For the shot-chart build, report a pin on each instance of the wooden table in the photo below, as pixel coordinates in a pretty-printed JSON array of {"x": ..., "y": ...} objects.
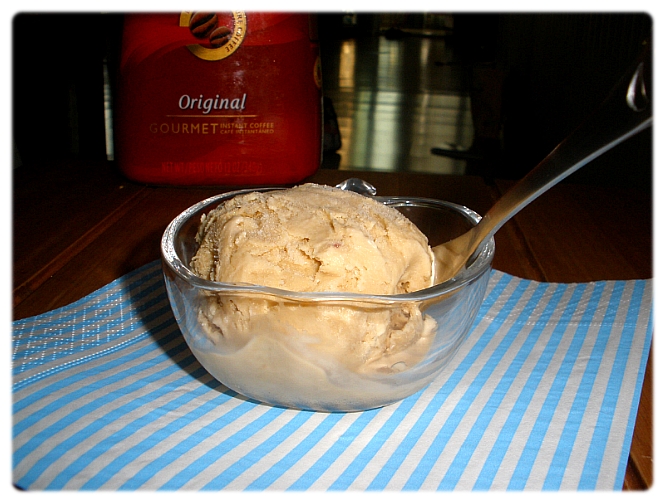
[{"x": 80, "y": 225}]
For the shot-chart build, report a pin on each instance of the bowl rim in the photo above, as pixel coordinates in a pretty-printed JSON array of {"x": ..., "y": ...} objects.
[{"x": 481, "y": 263}]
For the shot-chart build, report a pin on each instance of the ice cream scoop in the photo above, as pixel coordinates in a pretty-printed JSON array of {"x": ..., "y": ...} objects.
[{"x": 313, "y": 238}]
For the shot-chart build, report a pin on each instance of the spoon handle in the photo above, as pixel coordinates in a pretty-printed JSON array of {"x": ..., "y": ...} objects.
[{"x": 625, "y": 112}]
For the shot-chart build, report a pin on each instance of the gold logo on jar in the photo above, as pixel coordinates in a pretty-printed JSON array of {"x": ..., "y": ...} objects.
[{"x": 220, "y": 35}]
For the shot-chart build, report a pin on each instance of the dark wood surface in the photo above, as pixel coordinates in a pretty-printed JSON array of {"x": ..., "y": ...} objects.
[{"x": 78, "y": 226}]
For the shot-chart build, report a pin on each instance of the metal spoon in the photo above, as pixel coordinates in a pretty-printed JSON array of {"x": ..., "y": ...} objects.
[{"x": 625, "y": 112}]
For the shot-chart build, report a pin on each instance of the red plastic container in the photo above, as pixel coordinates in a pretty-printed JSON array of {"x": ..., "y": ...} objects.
[{"x": 219, "y": 98}]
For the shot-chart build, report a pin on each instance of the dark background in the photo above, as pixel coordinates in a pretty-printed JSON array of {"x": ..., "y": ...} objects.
[{"x": 556, "y": 68}]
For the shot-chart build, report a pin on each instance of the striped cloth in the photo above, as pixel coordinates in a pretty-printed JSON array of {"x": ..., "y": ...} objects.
[{"x": 543, "y": 394}]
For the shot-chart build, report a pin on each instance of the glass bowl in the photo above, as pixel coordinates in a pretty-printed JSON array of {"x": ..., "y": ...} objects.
[{"x": 305, "y": 350}]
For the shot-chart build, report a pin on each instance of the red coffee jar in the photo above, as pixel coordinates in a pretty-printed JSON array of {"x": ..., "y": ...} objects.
[{"x": 219, "y": 98}]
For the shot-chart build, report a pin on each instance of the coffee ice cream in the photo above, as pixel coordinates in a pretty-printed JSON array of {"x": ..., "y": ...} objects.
[{"x": 313, "y": 238}]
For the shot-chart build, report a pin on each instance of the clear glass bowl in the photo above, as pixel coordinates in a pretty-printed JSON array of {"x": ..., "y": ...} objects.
[{"x": 302, "y": 350}]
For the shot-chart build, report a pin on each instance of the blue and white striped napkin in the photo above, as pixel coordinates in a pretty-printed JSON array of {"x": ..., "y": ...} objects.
[{"x": 543, "y": 394}]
